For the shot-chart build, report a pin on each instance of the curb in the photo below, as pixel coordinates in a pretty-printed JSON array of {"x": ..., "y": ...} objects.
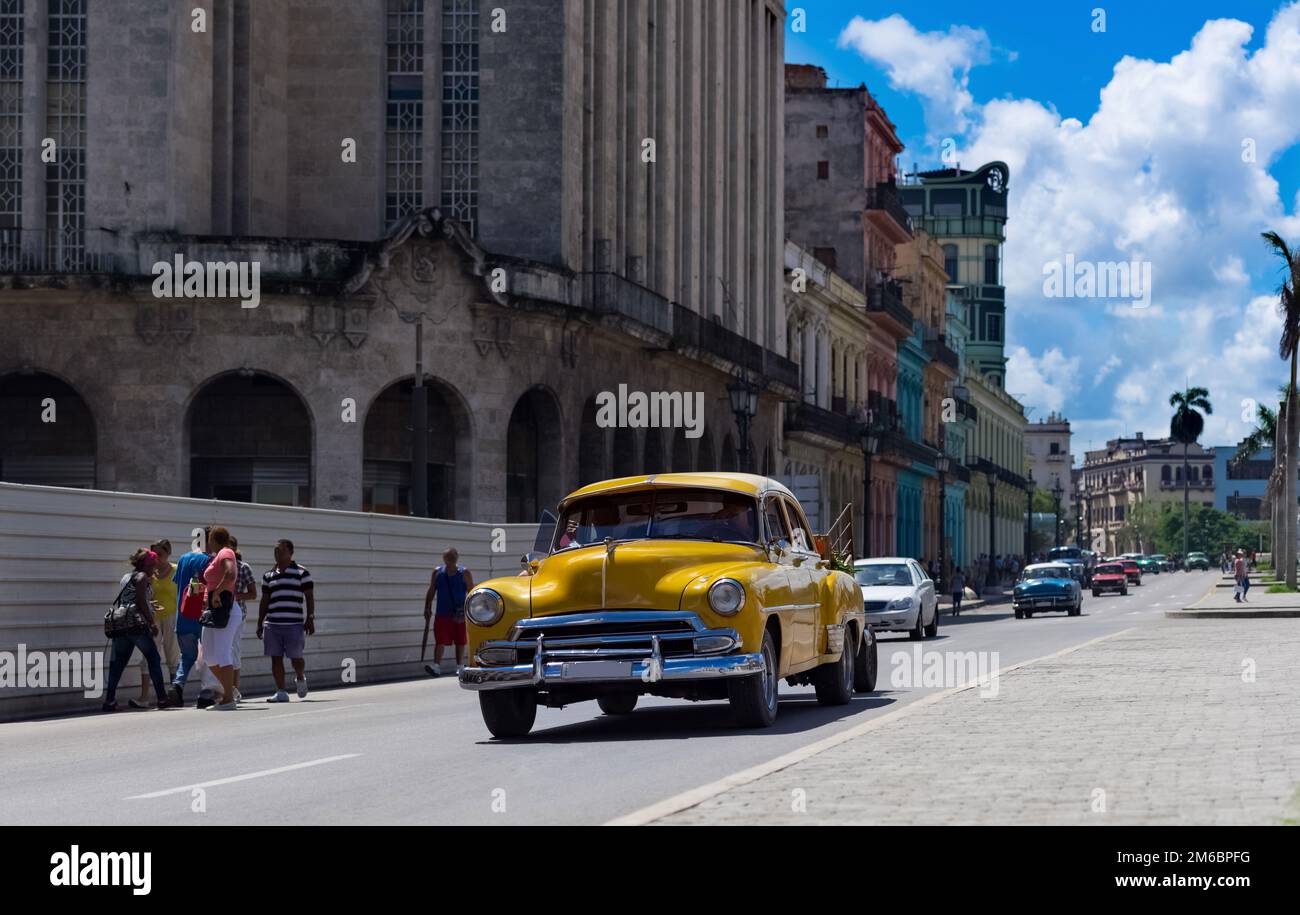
[{"x": 1187, "y": 613}]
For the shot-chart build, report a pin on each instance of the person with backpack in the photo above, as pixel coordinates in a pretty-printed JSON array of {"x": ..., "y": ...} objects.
[
  {"x": 189, "y": 590},
  {"x": 136, "y": 596},
  {"x": 164, "y": 596}
]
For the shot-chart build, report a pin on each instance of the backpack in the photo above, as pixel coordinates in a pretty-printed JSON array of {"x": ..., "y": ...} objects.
[{"x": 123, "y": 618}]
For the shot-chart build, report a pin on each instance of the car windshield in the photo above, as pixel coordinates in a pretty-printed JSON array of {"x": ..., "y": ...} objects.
[
  {"x": 1110, "y": 570},
  {"x": 1064, "y": 552},
  {"x": 885, "y": 573},
  {"x": 668, "y": 514},
  {"x": 1044, "y": 573}
]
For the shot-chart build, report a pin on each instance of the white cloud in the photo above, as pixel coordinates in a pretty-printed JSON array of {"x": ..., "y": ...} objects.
[
  {"x": 1043, "y": 382},
  {"x": 934, "y": 65},
  {"x": 1156, "y": 174}
]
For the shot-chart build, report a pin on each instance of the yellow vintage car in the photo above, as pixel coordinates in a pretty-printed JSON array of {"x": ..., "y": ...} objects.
[{"x": 698, "y": 586}]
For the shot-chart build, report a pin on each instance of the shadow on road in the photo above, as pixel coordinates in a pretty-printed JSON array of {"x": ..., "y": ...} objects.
[{"x": 703, "y": 719}]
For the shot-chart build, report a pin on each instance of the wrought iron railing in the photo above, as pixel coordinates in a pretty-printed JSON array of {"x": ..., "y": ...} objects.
[
  {"x": 806, "y": 417},
  {"x": 886, "y": 297},
  {"x": 885, "y": 197},
  {"x": 38, "y": 252}
]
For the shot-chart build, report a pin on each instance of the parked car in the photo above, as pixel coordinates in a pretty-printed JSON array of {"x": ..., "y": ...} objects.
[
  {"x": 1197, "y": 561},
  {"x": 683, "y": 585},
  {"x": 1109, "y": 576},
  {"x": 898, "y": 596},
  {"x": 1047, "y": 586}
]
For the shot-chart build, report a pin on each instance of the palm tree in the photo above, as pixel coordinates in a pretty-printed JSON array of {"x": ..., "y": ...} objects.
[
  {"x": 1288, "y": 307},
  {"x": 1264, "y": 435},
  {"x": 1186, "y": 426}
]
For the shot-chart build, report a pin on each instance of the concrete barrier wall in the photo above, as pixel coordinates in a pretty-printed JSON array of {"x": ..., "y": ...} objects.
[{"x": 63, "y": 551}]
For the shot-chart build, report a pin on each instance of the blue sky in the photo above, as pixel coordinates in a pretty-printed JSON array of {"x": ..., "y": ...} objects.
[{"x": 1154, "y": 174}]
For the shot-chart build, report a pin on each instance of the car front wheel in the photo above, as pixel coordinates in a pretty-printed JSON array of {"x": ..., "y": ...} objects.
[
  {"x": 933, "y": 629},
  {"x": 508, "y": 712},
  {"x": 617, "y": 704},
  {"x": 918, "y": 631},
  {"x": 754, "y": 699}
]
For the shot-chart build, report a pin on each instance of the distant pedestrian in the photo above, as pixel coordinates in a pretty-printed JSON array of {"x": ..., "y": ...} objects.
[
  {"x": 189, "y": 588},
  {"x": 450, "y": 582},
  {"x": 219, "y": 579},
  {"x": 286, "y": 616},
  {"x": 958, "y": 591},
  {"x": 1239, "y": 572},
  {"x": 137, "y": 592}
]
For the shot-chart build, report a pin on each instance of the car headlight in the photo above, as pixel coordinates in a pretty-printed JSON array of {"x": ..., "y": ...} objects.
[
  {"x": 902, "y": 603},
  {"x": 484, "y": 607},
  {"x": 726, "y": 596}
]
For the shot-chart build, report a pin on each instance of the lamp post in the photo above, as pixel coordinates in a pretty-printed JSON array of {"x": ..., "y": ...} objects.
[
  {"x": 991, "y": 579},
  {"x": 1057, "y": 490},
  {"x": 870, "y": 444},
  {"x": 1029, "y": 517},
  {"x": 1078, "y": 513},
  {"x": 744, "y": 405},
  {"x": 941, "y": 464}
]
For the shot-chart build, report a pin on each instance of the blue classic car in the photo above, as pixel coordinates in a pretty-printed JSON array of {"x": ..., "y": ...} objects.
[{"x": 1047, "y": 586}]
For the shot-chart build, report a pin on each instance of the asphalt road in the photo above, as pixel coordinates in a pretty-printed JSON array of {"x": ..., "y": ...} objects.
[{"x": 418, "y": 753}]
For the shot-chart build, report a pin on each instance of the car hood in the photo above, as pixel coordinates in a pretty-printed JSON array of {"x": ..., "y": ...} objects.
[
  {"x": 885, "y": 592},
  {"x": 640, "y": 575},
  {"x": 1044, "y": 584}
]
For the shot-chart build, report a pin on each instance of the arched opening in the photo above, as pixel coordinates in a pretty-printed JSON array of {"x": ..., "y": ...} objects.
[
  {"x": 388, "y": 452},
  {"x": 534, "y": 457},
  {"x": 591, "y": 447},
  {"x": 681, "y": 452},
  {"x": 624, "y": 452},
  {"x": 49, "y": 432},
  {"x": 250, "y": 441}
]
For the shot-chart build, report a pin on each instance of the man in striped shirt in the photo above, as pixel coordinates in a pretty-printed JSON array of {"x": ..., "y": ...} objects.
[{"x": 285, "y": 617}]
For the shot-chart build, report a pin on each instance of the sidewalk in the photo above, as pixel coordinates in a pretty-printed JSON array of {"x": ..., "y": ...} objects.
[
  {"x": 1155, "y": 725},
  {"x": 1218, "y": 604}
]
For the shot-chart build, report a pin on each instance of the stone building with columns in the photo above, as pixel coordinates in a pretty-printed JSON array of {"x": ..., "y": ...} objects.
[{"x": 573, "y": 197}]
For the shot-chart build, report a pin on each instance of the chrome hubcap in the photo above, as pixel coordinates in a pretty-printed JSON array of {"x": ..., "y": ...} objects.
[
  {"x": 846, "y": 661},
  {"x": 769, "y": 678}
]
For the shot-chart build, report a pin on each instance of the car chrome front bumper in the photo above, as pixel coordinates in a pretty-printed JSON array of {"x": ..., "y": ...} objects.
[{"x": 644, "y": 671}]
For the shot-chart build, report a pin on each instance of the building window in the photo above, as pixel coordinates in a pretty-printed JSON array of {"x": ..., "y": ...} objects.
[
  {"x": 823, "y": 171},
  {"x": 1055, "y": 448},
  {"x": 65, "y": 123},
  {"x": 11, "y": 129},
  {"x": 995, "y": 328},
  {"x": 826, "y": 256},
  {"x": 991, "y": 265},
  {"x": 460, "y": 110},
  {"x": 404, "y": 120},
  {"x": 950, "y": 263},
  {"x": 1165, "y": 474},
  {"x": 823, "y": 131}
]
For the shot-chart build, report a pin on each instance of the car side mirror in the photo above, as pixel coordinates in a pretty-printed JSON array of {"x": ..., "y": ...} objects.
[
  {"x": 530, "y": 561},
  {"x": 777, "y": 547}
]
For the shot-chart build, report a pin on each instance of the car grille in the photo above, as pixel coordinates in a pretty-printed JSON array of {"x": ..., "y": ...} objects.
[
  {"x": 570, "y": 638},
  {"x": 874, "y": 606}
]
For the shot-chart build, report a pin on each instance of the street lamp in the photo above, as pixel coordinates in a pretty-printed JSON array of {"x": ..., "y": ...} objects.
[
  {"x": 1029, "y": 517},
  {"x": 744, "y": 405},
  {"x": 870, "y": 445},
  {"x": 941, "y": 464},
  {"x": 1057, "y": 491},
  {"x": 1078, "y": 513}
]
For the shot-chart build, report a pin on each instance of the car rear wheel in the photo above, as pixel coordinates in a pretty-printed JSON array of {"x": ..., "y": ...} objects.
[
  {"x": 864, "y": 663},
  {"x": 1029, "y": 614},
  {"x": 1096, "y": 593},
  {"x": 834, "y": 682},
  {"x": 754, "y": 699},
  {"x": 508, "y": 712},
  {"x": 933, "y": 629},
  {"x": 617, "y": 704}
]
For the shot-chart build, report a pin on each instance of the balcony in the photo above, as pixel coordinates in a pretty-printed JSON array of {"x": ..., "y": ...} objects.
[
  {"x": 885, "y": 415},
  {"x": 40, "y": 253},
  {"x": 885, "y": 300},
  {"x": 899, "y": 443},
  {"x": 1194, "y": 484},
  {"x": 883, "y": 199},
  {"x": 690, "y": 329},
  {"x": 939, "y": 351},
  {"x": 812, "y": 419},
  {"x": 609, "y": 293},
  {"x": 991, "y": 228}
]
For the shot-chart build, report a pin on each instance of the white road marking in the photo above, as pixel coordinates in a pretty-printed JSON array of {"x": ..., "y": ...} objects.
[
  {"x": 316, "y": 711},
  {"x": 243, "y": 778},
  {"x": 695, "y": 796}
]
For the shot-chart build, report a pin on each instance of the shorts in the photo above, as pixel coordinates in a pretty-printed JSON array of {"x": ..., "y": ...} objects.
[
  {"x": 446, "y": 631},
  {"x": 218, "y": 644},
  {"x": 283, "y": 640}
]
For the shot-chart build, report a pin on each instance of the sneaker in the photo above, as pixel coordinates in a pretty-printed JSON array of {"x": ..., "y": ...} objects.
[
  {"x": 239, "y": 697},
  {"x": 280, "y": 696},
  {"x": 204, "y": 702},
  {"x": 108, "y": 707},
  {"x": 432, "y": 671},
  {"x": 177, "y": 696},
  {"x": 136, "y": 703},
  {"x": 225, "y": 707},
  {"x": 302, "y": 688}
]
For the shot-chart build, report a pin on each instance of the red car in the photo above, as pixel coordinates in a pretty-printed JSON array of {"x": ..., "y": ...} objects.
[
  {"x": 1132, "y": 571},
  {"x": 1109, "y": 576}
]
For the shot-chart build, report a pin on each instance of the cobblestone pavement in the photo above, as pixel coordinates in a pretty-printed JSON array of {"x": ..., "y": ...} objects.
[{"x": 1168, "y": 723}]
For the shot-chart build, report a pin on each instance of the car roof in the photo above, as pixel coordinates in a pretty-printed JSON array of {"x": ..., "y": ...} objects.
[
  {"x": 747, "y": 483},
  {"x": 1049, "y": 565},
  {"x": 882, "y": 560}
]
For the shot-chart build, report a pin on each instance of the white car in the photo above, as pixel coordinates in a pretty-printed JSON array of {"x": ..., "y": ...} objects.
[{"x": 898, "y": 596}]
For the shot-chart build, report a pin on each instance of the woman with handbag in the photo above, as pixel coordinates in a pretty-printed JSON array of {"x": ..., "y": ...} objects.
[
  {"x": 219, "y": 629},
  {"x": 130, "y": 625}
]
